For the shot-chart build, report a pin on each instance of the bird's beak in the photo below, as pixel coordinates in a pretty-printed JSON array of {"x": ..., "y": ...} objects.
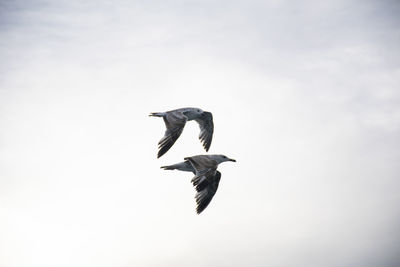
[{"x": 234, "y": 160}]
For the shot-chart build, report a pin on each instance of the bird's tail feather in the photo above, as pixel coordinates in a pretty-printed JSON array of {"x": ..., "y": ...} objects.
[
  {"x": 171, "y": 167},
  {"x": 157, "y": 114},
  {"x": 181, "y": 166}
]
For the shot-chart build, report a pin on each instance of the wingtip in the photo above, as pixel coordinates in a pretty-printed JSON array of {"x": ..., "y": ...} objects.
[
  {"x": 161, "y": 153},
  {"x": 199, "y": 211}
]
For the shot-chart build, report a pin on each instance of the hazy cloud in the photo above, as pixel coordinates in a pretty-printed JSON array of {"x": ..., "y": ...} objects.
[{"x": 305, "y": 97}]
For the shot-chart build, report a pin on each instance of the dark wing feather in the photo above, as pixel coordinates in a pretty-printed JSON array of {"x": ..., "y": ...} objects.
[
  {"x": 207, "y": 189},
  {"x": 206, "y": 129},
  {"x": 206, "y": 180},
  {"x": 175, "y": 122}
]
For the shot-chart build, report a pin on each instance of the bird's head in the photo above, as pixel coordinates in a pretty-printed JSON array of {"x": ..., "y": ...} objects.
[
  {"x": 222, "y": 158},
  {"x": 193, "y": 113},
  {"x": 198, "y": 111}
]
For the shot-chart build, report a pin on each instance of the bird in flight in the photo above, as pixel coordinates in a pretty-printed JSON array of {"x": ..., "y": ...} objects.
[
  {"x": 206, "y": 179},
  {"x": 175, "y": 121}
]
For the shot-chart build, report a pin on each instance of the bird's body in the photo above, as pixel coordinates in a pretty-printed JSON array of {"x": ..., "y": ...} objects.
[
  {"x": 206, "y": 179},
  {"x": 175, "y": 121}
]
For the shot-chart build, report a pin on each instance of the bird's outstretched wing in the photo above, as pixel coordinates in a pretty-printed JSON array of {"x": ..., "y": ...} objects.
[
  {"x": 206, "y": 188},
  {"x": 206, "y": 129},
  {"x": 175, "y": 122},
  {"x": 206, "y": 180}
]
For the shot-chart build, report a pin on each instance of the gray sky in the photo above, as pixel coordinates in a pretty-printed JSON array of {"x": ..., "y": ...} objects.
[{"x": 304, "y": 95}]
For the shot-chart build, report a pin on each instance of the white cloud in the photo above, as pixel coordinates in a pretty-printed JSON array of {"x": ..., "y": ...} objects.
[{"x": 304, "y": 97}]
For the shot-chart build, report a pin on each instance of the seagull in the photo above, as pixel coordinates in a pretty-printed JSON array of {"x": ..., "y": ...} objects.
[
  {"x": 175, "y": 121},
  {"x": 206, "y": 177}
]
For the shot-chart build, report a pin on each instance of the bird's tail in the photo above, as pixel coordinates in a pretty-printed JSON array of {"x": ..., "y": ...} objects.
[
  {"x": 170, "y": 167},
  {"x": 181, "y": 166},
  {"x": 157, "y": 114}
]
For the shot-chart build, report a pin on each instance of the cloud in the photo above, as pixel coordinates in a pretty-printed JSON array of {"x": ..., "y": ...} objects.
[{"x": 304, "y": 97}]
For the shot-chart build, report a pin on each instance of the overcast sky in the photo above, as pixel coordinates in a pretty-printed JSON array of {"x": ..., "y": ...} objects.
[{"x": 305, "y": 96}]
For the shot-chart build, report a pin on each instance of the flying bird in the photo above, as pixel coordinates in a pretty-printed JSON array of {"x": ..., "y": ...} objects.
[
  {"x": 206, "y": 179},
  {"x": 175, "y": 121}
]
